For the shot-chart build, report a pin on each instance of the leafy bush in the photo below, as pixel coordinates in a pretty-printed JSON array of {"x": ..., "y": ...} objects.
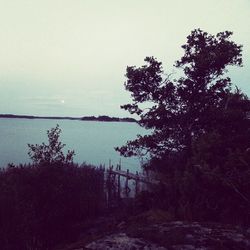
[
  {"x": 199, "y": 193},
  {"x": 41, "y": 204},
  {"x": 51, "y": 153}
]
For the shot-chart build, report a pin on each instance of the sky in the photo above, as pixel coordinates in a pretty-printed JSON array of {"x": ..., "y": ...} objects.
[{"x": 69, "y": 57}]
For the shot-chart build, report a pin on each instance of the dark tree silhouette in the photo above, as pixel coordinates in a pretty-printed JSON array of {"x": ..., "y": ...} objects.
[{"x": 199, "y": 102}]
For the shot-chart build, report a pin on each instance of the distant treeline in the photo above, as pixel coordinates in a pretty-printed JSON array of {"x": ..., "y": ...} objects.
[{"x": 102, "y": 118}]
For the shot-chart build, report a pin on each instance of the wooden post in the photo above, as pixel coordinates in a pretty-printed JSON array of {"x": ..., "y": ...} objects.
[
  {"x": 127, "y": 189},
  {"x": 114, "y": 187},
  {"x": 119, "y": 187},
  {"x": 108, "y": 183},
  {"x": 136, "y": 183}
]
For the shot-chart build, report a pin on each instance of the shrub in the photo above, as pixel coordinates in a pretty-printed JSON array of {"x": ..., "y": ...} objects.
[
  {"x": 203, "y": 194},
  {"x": 41, "y": 204},
  {"x": 51, "y": 153}
]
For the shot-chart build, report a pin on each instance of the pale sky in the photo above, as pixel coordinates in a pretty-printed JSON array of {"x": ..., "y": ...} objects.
[{"x": 69, "y": 57}]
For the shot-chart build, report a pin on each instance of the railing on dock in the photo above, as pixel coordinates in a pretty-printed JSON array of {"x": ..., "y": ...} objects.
[{"x": 124, "y": 184}]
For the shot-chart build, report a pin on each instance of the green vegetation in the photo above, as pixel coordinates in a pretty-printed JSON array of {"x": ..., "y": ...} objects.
[
  {"x": 105, "y": 118},
  {"x": 42, "y": 204},
  {"x": 51, "y": 153},
  {"x": 200, "y": 127}
]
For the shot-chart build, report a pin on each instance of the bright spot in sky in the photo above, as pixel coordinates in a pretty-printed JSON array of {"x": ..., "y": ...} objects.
[{"x": 62, "y": 101}]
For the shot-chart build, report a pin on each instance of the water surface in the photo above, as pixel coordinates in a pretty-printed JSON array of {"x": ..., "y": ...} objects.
[{"x": 92, "y": 141}]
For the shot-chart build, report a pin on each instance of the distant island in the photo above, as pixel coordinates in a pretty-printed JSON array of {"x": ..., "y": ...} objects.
[{"x": 101, "y": 118}]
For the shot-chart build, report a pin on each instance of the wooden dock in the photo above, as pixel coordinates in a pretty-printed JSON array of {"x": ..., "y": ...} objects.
[
  {"x": 133, "y": 176},
  {"x": 124, "y": 184}
]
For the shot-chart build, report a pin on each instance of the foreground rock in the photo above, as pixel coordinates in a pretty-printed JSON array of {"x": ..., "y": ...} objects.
[
  {"x": 122, "y": 241},
  {"x": 152, "y": 232},
  {"x": 176, "y": 235}
]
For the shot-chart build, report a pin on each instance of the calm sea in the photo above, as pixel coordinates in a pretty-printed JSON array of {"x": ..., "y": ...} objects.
[{"x": 93, "y": 142}]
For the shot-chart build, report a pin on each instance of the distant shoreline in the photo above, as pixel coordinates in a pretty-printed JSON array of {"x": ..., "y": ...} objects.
[{"x": 102, "y": 118}]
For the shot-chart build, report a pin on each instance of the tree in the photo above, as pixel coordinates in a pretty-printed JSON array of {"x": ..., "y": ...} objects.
[
  {"x": 180, "y": 111},
  {"x": 51, "y": 153}
]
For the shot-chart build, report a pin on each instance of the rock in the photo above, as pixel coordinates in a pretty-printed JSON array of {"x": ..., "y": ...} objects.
[
  {"x": 155, "y": 231},
  {"x": 121, "y": 225},
  {"x": 123, "y": 242},
  {"x": 183, "y": 235},
  {"x": 175, "y": 235}
]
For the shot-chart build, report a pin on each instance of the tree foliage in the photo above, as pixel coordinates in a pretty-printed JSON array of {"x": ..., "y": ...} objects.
[
  {"x": 51, "y": 153},
  {"x": 199, "y": 131},
  {"x": 201, "y": 101}
]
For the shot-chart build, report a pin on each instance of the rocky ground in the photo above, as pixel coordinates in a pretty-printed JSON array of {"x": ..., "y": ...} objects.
[{"x": 154, "y": 230}]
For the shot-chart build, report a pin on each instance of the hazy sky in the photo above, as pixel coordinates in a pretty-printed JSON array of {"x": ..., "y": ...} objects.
[{"x": 68, "y": 57}]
